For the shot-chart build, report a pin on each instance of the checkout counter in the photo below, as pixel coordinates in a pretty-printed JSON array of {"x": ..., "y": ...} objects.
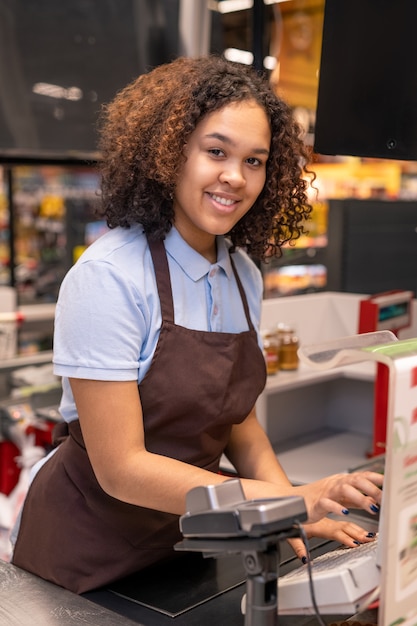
[{"x": 27, "y": 600}]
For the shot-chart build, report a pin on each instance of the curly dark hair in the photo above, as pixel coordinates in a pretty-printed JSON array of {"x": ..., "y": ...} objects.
[{"x": 142, "y": 136}]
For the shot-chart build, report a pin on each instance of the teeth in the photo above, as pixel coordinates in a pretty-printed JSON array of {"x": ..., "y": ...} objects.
[{"x": 223, "y": 201}]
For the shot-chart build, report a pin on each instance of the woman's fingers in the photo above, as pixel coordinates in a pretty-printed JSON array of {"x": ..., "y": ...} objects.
[
  {"x": 347, "y": 533},
  {"x": 341, "y": 506},
  {"x": 366, "y": 483},
  {"x": 359, "y": 491},
  {"x": 299, "y": 549},
  {"x": 337, "y": 493}
]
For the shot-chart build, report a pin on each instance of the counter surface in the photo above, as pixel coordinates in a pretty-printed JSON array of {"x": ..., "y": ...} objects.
[{"x": 27, "y": 600}]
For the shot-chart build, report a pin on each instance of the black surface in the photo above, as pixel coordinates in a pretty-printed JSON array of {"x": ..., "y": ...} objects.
[
  {"x": 194, "y": 591},
  {"x": 367, "y": 95},
  {"x": 372, "y": 245},
  {"x": 182, "y": 584},
  {"x": 222, "y": 609}
]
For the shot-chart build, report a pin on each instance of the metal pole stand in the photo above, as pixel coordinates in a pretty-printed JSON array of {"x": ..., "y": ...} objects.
[
  {"x": 261, "y": 557},
  {"x": 261, "y": 587},
  {"x": 220, "y": 520}
]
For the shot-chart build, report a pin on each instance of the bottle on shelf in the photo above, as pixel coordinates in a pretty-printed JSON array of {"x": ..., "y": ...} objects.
[
  {"x": 271, "y": 351},
  {"x": 288, "y": 347}
]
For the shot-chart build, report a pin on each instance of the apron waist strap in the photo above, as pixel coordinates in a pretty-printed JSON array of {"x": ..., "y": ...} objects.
[{"x": 59, "y": 433}]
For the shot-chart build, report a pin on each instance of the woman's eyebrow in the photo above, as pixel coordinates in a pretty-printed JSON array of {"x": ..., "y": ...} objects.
[{"x": 228, "y": 140}]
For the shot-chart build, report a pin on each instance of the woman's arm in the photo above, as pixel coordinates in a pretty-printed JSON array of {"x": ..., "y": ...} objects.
[
  {"x": 111, "y": 422},
  {"x": 251, "y": 453}
]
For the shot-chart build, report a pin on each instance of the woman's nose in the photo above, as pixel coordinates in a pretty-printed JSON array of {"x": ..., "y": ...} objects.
[{"x": 233, "y": 175}]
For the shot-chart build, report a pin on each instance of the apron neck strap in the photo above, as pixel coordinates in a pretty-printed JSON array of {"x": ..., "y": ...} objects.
[
  {"x": 162, "y": 275},
  {"x": 242, "y": 295},
  {"x": 160, "y": 261}
]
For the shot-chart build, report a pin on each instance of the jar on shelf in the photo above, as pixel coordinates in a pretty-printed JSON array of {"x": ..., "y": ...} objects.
[
  {"x": 288, "y": 347},
  {"x": 271, "y": 351}
]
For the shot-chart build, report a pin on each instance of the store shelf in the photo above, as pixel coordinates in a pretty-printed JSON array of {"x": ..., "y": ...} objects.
[
  {"x": 40, "y": 358},
  {"x": 327, "y": 452},
  {"x": 319, "y": 422},
  {"x": 37, "y": 312},
  {"x": 318, "y": 455},
  {"x": 306, "y": 375}
]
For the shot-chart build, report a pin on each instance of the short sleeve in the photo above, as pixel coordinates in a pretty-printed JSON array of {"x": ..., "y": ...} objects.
[{"x": 99, "y": 324}]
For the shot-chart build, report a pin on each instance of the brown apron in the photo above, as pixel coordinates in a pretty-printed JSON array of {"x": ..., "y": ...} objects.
[{"x": 199, "y": 384}]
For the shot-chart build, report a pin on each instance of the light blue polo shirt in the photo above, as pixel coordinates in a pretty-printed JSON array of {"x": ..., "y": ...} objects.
[{"x": 108, "y": 312}]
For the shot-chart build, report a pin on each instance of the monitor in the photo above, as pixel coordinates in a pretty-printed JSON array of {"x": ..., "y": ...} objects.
[{"x": 367, "y": 95}]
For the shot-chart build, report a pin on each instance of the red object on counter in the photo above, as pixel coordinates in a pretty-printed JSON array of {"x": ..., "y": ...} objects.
[
  {"x": 43, "y": 434},
  {"x": 389, "y": 310},
  {"x": 9, "y": 471}
]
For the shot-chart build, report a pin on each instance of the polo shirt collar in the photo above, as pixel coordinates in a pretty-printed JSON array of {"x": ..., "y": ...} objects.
[{"x": 191, "y": 262}]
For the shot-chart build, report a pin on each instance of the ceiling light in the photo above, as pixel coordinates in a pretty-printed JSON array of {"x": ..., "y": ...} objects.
[
  {"x": 230, "y": 6},
  {"x": 270, "y": 63},
  {"x": 239, "y": 56},
  {"x": 58, "y": 92}
]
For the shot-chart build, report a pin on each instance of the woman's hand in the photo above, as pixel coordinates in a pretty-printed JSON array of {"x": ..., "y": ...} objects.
[
  {"x": 335, "y": 494},
  {"x": 347, "y": 533}
]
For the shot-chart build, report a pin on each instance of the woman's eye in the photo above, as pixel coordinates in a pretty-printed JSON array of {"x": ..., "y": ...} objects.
[
  {"x": 216, "y": 152},
  {"x": 254, "y": 161}
]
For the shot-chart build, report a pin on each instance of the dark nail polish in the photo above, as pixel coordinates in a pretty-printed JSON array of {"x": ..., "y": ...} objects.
[
  {"x": 358, "y": 543},
  {"x": 374, "y": 508},
  {"x": 370, "y": 535},
  {"x": 304, "y": 560},
  {"x": 345, "y": 511}
]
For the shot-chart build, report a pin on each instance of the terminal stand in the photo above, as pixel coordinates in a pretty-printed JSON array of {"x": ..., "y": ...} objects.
[
  {"x": 220, "y": 521},
  {"x": 261, "y": 587},
  {"x": 260, "y": 556}
]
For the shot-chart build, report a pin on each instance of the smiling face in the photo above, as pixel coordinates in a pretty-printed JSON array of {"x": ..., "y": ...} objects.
[{"x": 223, "y": 174}]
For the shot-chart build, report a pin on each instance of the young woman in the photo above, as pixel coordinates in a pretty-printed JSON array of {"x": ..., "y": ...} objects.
[{"x": 157, "y": 328}]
